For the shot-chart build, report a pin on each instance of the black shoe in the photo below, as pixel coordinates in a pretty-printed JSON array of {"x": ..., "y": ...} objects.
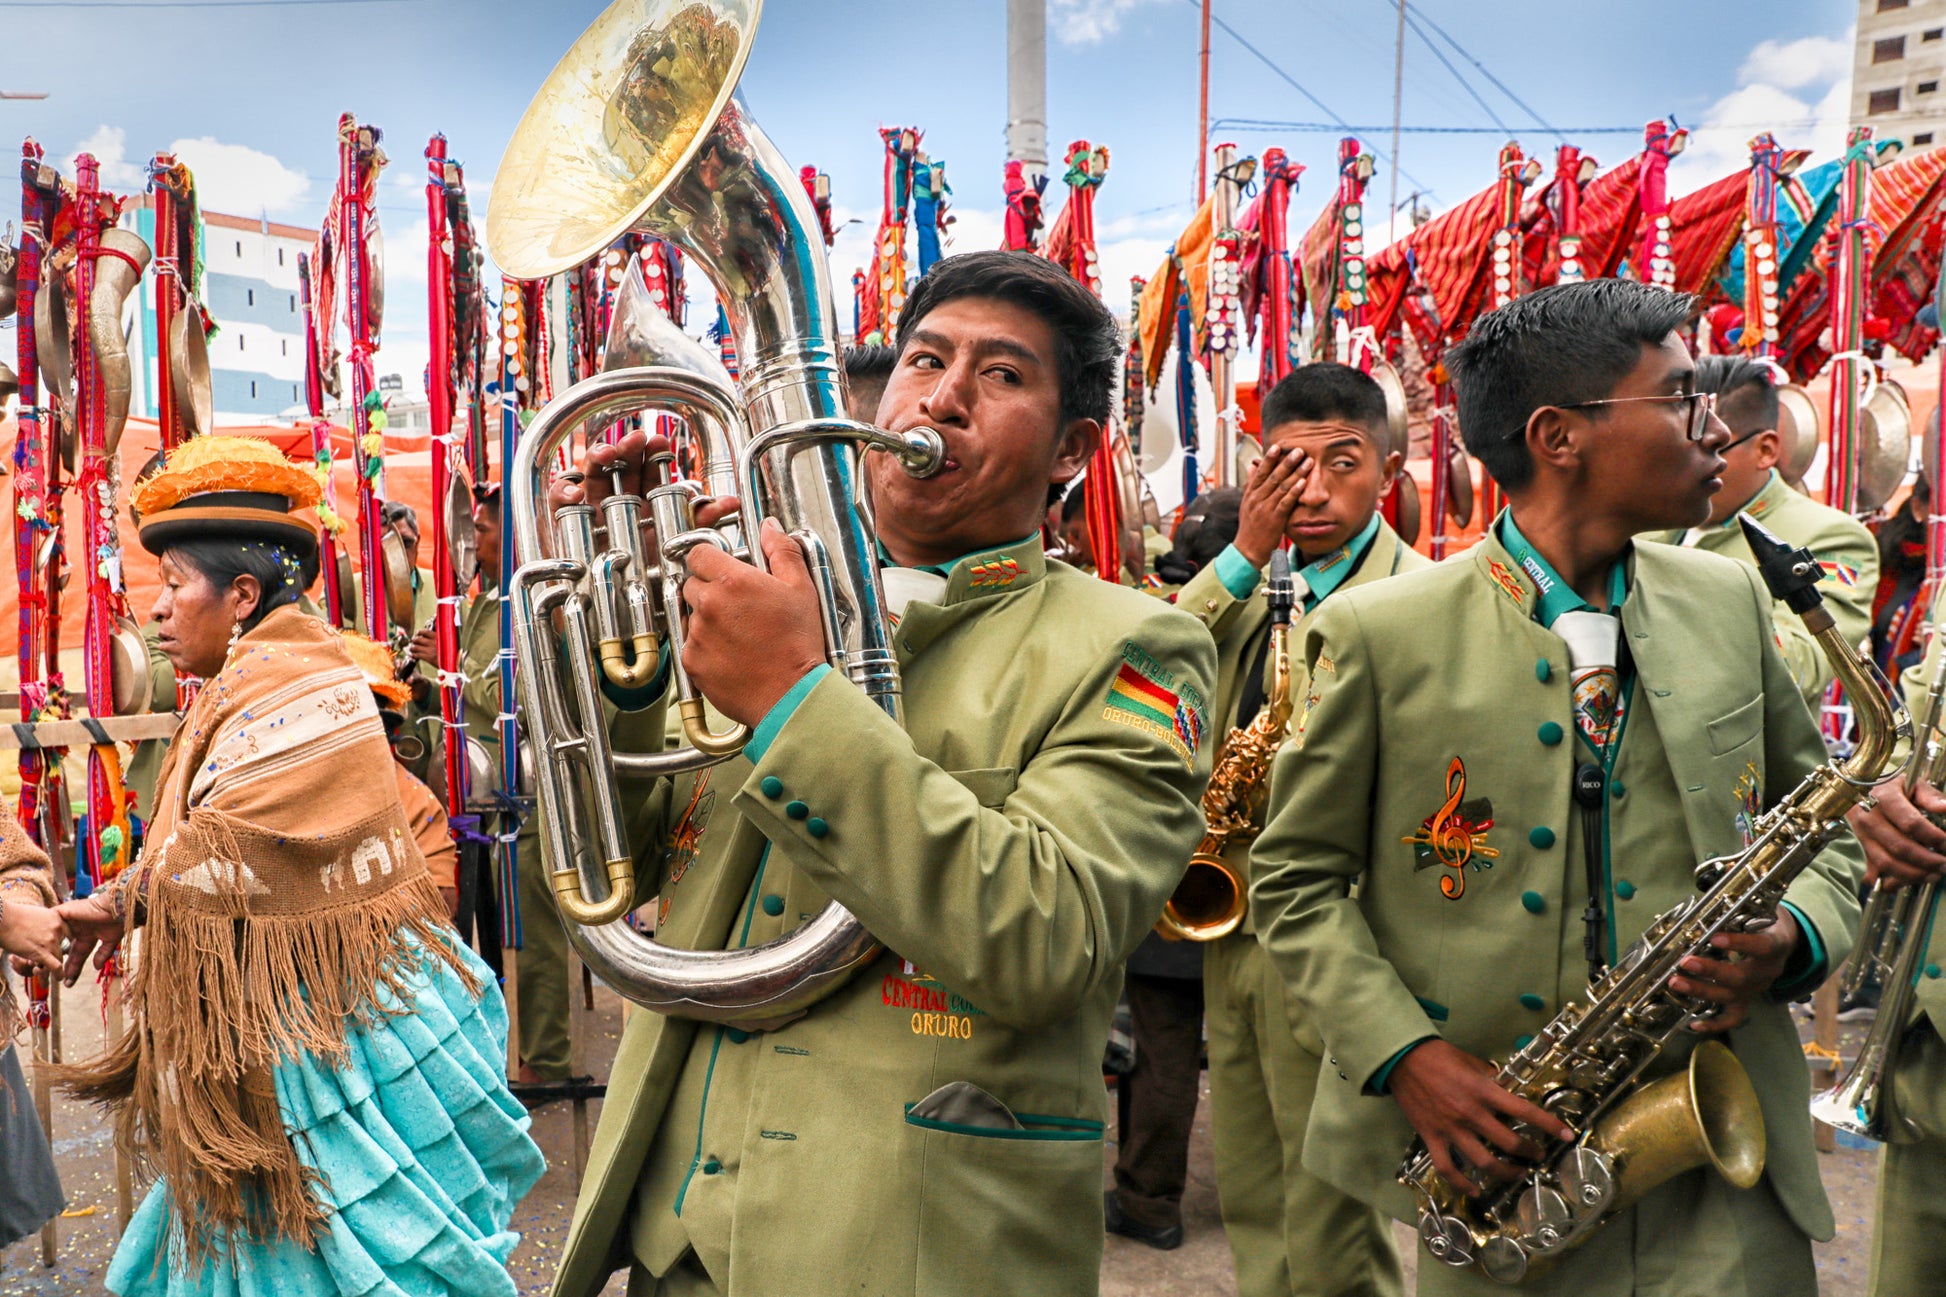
[{"x": 1166, "y": 1238}]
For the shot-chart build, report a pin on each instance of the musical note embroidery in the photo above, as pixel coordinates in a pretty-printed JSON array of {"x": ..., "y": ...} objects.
[
  {"x": 1455, "y": 835},
  {"x": 1750, "y": 802}
]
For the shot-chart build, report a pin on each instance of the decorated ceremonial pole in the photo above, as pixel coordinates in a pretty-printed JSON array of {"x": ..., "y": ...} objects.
[
  {"x": 447, "y": 454},
  {"x": 1279, "y": 339},
  {"x": 929, "y": 217},
  {"x": 1071, "y": 245},
  {"x": 316, "y": 349},
  {"x": 1852, "y": 371},
  {"x": 171, "y": 288},
  {"x": 36, "y": 515},
  {"x": 1655, "y": 261},
  {"x": 359, "y": 160},
  {"x": 1223, "y": 306},
  {"x": 885, "y": 285},
  {"x": 514, "y": 382},
  {"x": 1349, "y": 337},
  {"x": 1762, "y": 248},
  {"x": 1571, "y": 171},
  {"x": 1516, "y": 173}
]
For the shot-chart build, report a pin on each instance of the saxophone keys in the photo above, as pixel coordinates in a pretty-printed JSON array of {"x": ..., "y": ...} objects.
[
  {"x": 1446, "y": 1238},
  {"x": 1503, "y": 1260},
  {"x": 1544, "y": 1217}
]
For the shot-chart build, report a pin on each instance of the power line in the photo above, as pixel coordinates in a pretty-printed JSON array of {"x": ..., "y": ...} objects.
[
  {"x": 1497, "y": 82},
  {"x": 1413, "y": 21},
  {"x": 186, "y": 4},
  {"x": 1293, "y": 83}
]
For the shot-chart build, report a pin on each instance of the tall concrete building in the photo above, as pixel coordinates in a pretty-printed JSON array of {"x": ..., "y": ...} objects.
[
  {"x": 1897, "y": 71},
  {"x": 250, "y": 287}
]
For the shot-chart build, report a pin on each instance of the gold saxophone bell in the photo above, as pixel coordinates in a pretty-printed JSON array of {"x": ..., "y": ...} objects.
[{"x": 1208, "y": 904}]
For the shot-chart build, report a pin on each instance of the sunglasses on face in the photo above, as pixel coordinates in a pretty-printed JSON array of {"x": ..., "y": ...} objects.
[{"x": 1701, "y": 406}]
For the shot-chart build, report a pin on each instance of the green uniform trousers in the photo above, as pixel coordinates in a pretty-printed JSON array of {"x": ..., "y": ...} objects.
[
  {"x": 1693, "y": 1237},
  {"x": 1906, "y": 1246},
  {"x": 1290, "y": 1232},
  {"x": 541, "y": 968}
]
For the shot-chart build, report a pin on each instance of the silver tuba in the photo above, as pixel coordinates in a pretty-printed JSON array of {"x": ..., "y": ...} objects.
[{"x": 636, "y": 129}]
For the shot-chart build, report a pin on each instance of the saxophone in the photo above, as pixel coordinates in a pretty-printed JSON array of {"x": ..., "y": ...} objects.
[
  {"x": 1209, "y": 902},
  {"x": 1586, "y": 1066}
]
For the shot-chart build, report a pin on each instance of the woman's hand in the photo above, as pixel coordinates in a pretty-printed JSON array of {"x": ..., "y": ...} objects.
[
  {"x": 30, "y": 932},
  {"x": 93, "y": 922}
]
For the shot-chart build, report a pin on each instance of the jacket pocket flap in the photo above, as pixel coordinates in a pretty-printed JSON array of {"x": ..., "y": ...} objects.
[
  {"x": 992, "y": 787},
  {"x": 1728, "y": 733}
]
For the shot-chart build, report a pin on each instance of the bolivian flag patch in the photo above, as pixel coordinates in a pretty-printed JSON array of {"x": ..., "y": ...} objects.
[{"x": 1144, "y": 695}]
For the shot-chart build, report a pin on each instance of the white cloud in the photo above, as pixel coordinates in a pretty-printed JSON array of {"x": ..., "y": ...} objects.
[
  {"x": 1087, "y": 22},
  {"x": 1800, "y": 91},
  {"x": 243, "y": 181},
  {"x": 109, "y": 145},
  {"x": 1793, "y": 65}
]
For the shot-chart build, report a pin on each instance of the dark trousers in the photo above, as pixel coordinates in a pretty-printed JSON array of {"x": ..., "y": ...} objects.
[{"x": 1153, "y": 1160}]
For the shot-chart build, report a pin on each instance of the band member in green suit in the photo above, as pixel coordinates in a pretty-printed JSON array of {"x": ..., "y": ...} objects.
[
  {"x": 1746, "y": 401},
  {"x": 1904, "y": 848},
  {"x": 934, "y": 1126},
  {"x": 1452, "y": 715},
  {"x": 1328, "y": 462}
]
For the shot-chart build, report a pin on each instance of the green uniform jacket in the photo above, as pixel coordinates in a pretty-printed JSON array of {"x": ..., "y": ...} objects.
[
  {"x": 1236, "y": 623},
  {"x": 1012, "y": 845},
  {"x": 1847, "y": 551},
  {"x": 1447, "y": 663},
  {"x": 1930, "y": 999}
]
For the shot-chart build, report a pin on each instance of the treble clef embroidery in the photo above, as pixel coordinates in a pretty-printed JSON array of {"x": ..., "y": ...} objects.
[{"x": 1450, "y": 838}]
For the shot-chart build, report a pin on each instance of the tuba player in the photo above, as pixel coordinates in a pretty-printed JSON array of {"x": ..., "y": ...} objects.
[{"x": 935, "y": 1126}]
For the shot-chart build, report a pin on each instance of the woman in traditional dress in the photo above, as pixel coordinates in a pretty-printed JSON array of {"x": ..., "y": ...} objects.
[
  {"x": 315, "y": 1064},
  {"x": 31, "y": 932}
]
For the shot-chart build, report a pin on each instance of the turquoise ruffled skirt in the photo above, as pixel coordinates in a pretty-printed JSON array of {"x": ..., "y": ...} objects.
[{"x": 423, "y": 1152}]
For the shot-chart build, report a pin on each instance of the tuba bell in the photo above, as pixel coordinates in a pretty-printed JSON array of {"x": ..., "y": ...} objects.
[{"x": 636, "y": 129}]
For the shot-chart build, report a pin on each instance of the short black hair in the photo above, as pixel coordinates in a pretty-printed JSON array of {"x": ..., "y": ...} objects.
[
  {"x": 398, "y": 510},
  {"x": 1087, "y": 341},
  {"x": 487, "y": 496},
  {"x": 1743, "y": 383},
  {"x": 1209, "y": 523},
  {"x": 1559, "y": 346},
  {"x": 1071, "y": 502},
  {"x": 870, "y": 362},
  {"x": 1318, "y": 392},
  {"x": 280, "y": 573}
]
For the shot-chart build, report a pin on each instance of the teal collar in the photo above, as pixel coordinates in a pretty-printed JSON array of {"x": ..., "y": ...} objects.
[
  {"x": 1553, "y": 595},
  {"x": 1328, "y": 573}
]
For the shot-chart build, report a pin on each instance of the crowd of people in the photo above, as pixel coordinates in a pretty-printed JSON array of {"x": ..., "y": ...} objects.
[{"x": 1499, "y": 769}]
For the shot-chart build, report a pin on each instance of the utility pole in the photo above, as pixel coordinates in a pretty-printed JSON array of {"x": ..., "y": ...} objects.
[
  {"x": 1027, "y": 88},
  {"x": 1202, "y": 116},
  {"x": 1398, "y": 95}
]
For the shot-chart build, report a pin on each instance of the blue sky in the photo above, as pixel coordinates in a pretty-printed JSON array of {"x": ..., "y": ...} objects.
[{"x": 250, "y": 95}]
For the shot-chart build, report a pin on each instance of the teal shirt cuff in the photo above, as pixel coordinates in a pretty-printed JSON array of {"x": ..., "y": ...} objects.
[
  {"x": 1806, "y": 969},
  {"x": 766, "y": 732},
  {"x": 634, "y": 700},
  {"x": 1383, "y": 1077},
  {"x": 1236, "y": 573}
]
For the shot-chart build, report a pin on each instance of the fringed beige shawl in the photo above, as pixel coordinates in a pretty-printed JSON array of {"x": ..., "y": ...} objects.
[
  {"x": 25, "y": 879},
  {"x": 280, "y": 891}
]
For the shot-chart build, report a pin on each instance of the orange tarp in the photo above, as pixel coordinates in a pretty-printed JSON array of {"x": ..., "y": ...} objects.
[{"x": 408, "y": 477}]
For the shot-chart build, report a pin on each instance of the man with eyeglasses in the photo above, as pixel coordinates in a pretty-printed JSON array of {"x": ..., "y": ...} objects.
[
  {"x": 1746, "y": 401},
  {"x": 1520, "y": 755}
]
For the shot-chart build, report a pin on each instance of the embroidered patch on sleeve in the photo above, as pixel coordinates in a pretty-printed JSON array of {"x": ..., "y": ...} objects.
[
  {"x": 1503, "y": 576},
  {"x": 1455, "y": 835},
  {"x": 1842, "y": 573},
  {"x": 1144, "y": 695}
]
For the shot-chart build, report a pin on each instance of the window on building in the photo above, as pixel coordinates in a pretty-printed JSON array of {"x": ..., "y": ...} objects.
[
  {"x": 253, "y": 391},
  {"x": 1884, "y": 5},
  {"x": 1923, "y": 137},
  {"x": 1882, "y": 101},
  {"x": 239, "y": 342},
  {"x": 1932, "y": 33},
  {"x": 1889, "y": 50},
  {"x": 280, "y": 256},
  {"x": 293, "y": 391},
  {"x": 293, "y": 303},
  {"x": 283, "y": 346},
  {"x": 239, "y": 248},
  {"x": 1925, "y": 87},
  {"x": 249, "y": 297}
]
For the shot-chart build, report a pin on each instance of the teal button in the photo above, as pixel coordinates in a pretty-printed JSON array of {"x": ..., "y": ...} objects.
[
  {"x": 773, "y": 787},
  {"x": 1534, "y": 901},
  {"x": 1522, "y": 1042},
  {"x": 816, "y": 827},
  {"x": 1625, "y": 890},
  {"x": 1532, "y": 1001},
  {"x": 796, "y": 810},
  {"x": 1549, "y": 733},
  {"x": 1616, "y": 790},
  {"x": 712, "y": 1166},
  {"x": 1541, "y": 836},
  {"x": 773, "y": 905},
  {"x": 1932, "y": 970},
  {"x": 737, "y": 1035},
  {"x": 1543, "y": 670}
]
